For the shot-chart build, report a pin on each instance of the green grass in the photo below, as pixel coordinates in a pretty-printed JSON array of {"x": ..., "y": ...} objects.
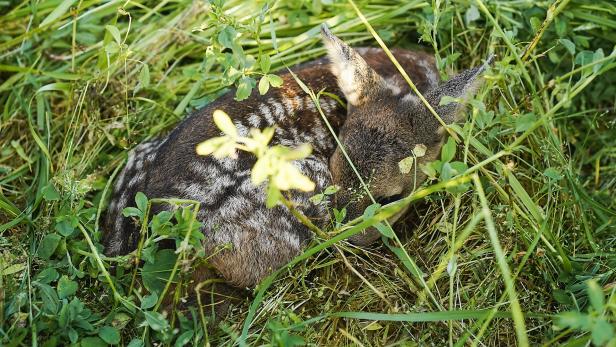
[{"x": 518, "y": 247}]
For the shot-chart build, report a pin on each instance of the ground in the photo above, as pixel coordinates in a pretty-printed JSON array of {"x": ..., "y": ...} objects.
[{"x": 520, "y": 251}]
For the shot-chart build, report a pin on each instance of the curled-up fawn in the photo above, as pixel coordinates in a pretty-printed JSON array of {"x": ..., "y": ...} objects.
[{"x": 381, "y": 124}]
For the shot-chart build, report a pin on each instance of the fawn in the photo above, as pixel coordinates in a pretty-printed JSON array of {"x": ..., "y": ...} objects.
[{"x": 383, "y": 121}]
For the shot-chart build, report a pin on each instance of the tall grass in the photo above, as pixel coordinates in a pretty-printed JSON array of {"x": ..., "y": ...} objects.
[{"x": 519, "y": 248}]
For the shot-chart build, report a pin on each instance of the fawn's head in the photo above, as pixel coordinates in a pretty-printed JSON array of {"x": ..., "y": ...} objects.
[{"x": 382, "y": 128}]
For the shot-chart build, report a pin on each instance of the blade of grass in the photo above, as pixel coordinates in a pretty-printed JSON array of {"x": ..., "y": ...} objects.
[{"x": 518, "y": 316}]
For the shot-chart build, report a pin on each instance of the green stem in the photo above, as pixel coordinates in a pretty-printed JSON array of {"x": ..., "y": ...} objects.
[{"x": 518, "y": 316}]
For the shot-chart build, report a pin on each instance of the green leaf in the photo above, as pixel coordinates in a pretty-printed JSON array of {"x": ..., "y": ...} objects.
[
  {"x": 21, "y": 152},
  {"x": 132, "y": 212},
  {"x": 371, "y": 210},
  {"x": 446, "y": 100},
  {"x": 420, "y": 150},
  {"x": 115, "y": 33},
  {"x": 472, "y": 14},
  {"x": 265, "y": 63},
  {"x": 331, "y": 190},
  {"x": 373, "y": 326},
  {"x": 63, "y": 318},
  {"x": 570, "y": 46},
  {"x": 553, "y": 173},
  {"x": 50, "y": 193},
  {"x": 275, "y": 80},
  {"x": 184, "y": 338},
  {"x": 66, "y": 287},
  {"x": 73, "y": 335},
  {"x": 149, "y": 301},
  {"x": 339, "y": 215},
  {"x": 584, "y": 57},
  {"x": 112, "y": 48},
  {"x": 562, "y": 297},
  {"x": 244, "y": 88},
  {"x": 317, "y": 198},
  {"x": 47, "y": 276},
  {"x": 212, "y": 145},
  {"x": 595, "y": 295},
  {"x": 459, "y": 166},
  {"x": 155, "y": 275},
  {"x": 428, "y": 169},
  {"x": 92, "y": 342},
  {"x": 447, "y": 172},
  {"x": 598, "y": 55},
  {"x": 406, "y": 165},
  {"x": 300, "y": 83},
  {"x": 155, "y": 320},
  {"x": 289, "y": 177},
  {"x": 263, "y": 85},
  {"x": 142, "y": 201},
  {"x": 48, "y": 245},
  {"x": 452, "y": 266},
  {"x": 144, "y": 76},
  {"x": 535, "y": 23},
  {"x": 408, "y": 262},
  {"x": 273, "y": 196},
  {"x": 120, "y": 320},
  {"x": 523, "y": 196},
  {"x": 385, "y": 230},
  {"x": 228, "y": 149},
  {"x": 602, "y": 331},
  {"x": 135, "y": 343},
  {"x": 449, "y": 150},
  {"x": 226, "y": 37},
  {"x": 573, "y": 319},
  {"x": 524, "y": 122},
  {"x": 109, "y": 334},
  {"x": 65, "y": 228},
  {"x": 299, "y": 152},
  {"x": 58, "y": 12},
  {"x": 224, "y": 123},
  {"x": 12, "y": 269},
  {"x": 49, "y": 297}
]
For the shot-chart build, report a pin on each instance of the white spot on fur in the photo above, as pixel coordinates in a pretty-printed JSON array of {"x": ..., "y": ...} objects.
[
  {"x": 242, "y": 130},
  {"x": 229, "y": 164},
  {"x": 195, "y": 191},
  {"x": 118, "y": 221},
  {"x": 202, "y": 170},
  {"x": 136, "y": 179},
  {"x": 254, "y": 120},
  {"x": 278, "y": 108},
  {"x": 267, "y": 113},
  {"x": 410, "y": 97},
  {"x": 392, "y": 84},
  {"x": 289, "y": 106},
  {"x": 430, "y": 73}
]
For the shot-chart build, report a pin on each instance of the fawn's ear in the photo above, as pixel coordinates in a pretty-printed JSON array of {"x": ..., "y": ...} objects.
[
  {"x": 460, "y": 87},
  {"x": 356, "y": 79}
]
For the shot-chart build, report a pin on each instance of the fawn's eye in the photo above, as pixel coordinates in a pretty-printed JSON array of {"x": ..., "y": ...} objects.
[{"x": 389, "y": 199}]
